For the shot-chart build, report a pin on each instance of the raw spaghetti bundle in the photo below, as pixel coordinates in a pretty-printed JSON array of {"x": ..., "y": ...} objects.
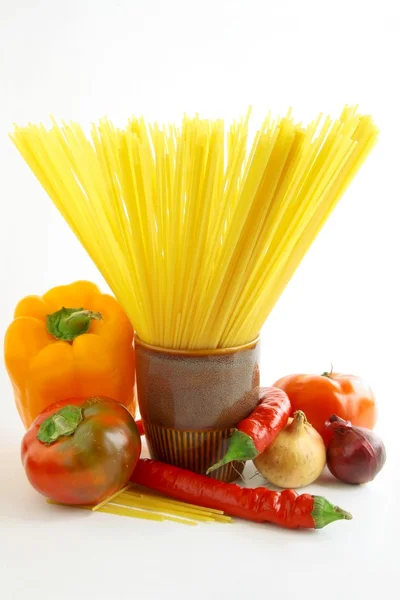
[
  {"x": 197, "y": 234},
  {"x": 132, "y": 502}
]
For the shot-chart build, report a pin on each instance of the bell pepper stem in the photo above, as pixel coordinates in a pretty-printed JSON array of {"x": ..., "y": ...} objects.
[
  {"x": 324, "y": 512},
  {"x": 67, "y": 323},
  {"x": 62, "y": 423},
  {"x": 241, "y": 447}
]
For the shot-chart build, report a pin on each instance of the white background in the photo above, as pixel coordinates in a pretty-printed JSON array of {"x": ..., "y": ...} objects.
[{"x": 84, "y": 59}]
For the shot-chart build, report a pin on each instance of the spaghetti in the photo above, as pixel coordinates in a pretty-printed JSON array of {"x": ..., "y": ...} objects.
[
  {"x": 197, "y": 236},
  {"x": 132, "y": 502}
]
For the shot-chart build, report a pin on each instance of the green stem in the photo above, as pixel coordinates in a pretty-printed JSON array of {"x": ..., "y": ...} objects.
[
  {"x": 62, "y": 423},
  {"x": 67, "y": 323},
  {"x": 241, "y": 447},
  {"x": 324, "y": 512},
  {"x": 326, "y": 374}
]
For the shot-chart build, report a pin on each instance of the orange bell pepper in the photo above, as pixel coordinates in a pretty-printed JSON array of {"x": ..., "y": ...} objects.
[{"x": 53, "y": 353}]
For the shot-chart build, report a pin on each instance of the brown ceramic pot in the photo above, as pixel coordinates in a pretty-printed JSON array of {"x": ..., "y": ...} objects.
[{"x": 191, "y": 401}]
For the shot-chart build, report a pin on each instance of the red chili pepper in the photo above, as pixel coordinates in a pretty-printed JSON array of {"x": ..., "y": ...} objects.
[
  {"x": 287, "y": 508},
  {"x": 140, "y": 428},
  {"x": 255, "y": 433}
]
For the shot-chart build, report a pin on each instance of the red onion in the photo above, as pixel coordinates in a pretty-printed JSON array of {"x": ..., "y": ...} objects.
[{"x": 355, "y": 454}]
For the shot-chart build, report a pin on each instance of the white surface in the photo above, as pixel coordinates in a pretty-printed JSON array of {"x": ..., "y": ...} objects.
[{"x": 81, "y": 60}]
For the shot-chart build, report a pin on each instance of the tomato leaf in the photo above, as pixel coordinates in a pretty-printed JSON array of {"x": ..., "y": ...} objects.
[{"x": 62, "y": 423}]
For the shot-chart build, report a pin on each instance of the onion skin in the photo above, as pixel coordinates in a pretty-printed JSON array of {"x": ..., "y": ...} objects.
[
  {"x": 296, "y": 457},
  {"x": 355, "y": 454}
]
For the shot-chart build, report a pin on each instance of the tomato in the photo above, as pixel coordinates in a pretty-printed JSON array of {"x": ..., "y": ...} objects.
[
  {"x": 81, "y": 451},
  {"x": 320, "y": 396}
]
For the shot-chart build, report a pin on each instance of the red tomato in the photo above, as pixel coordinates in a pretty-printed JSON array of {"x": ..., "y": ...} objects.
[
  {"x": 320, "y": 396},
  {"x": 81, "y": 451}
]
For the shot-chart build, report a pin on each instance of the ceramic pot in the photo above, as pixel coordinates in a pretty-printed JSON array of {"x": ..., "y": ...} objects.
[{"x": 191, "y": 401}]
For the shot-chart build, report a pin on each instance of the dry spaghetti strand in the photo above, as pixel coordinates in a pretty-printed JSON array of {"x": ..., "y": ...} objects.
[
  {"x": 197, "y": 234},
  {"x": 132, "y": 502}
]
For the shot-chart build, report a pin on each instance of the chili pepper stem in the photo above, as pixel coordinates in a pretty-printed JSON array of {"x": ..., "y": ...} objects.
[
  {"x": 241, "y": 447},
  {"x": 324, "y": 512},
  {"x": 67, "y": 323}
]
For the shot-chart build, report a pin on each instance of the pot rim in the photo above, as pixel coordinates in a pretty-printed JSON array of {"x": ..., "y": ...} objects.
[{"x": 194, "y": 352}]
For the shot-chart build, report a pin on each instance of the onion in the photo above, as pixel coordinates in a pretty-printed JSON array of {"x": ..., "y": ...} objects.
[
  {"x": 355, "y": 454},
  {"x": 296, "y": 457}
]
